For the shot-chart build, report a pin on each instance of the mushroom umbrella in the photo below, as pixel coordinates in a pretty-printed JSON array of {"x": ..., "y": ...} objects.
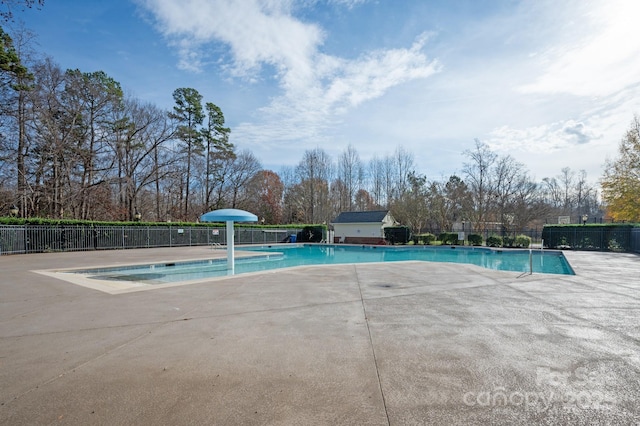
[{"x": 229, "y": 216}]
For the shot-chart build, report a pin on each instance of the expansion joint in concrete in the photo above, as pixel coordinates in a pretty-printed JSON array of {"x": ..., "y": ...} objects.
[{"x": 373, "y": 350}]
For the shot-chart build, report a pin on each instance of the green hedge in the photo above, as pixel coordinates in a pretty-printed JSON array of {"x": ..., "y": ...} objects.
[
  {"x": 475, "y": 239},
  {"x": 424, "y": 239},
  {"x": 494, "y": 241},
  {"x": 397, "y": 234},
  {"x": 427, "y": 238},
  {"x": 519, "y": 241},
  {"x": 523, "y": 241},
  {"x": 75, "y": 222},
  {"x": 448, "y": 238},
  {"x": 602, "y": 237}
]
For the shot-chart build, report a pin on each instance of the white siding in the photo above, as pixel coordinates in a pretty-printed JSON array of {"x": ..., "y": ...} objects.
[
  {"x": 358, "y": 230},
  {"x": 364, "y": 229},
  {"x": 388, "y": 221}
]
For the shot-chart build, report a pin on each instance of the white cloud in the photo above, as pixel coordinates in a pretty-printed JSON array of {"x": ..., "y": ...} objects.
[
  {"x": 348, "y": 3},
  {"x": 372, "y": 75},
  {"x": 339, "y": 84},
  {"x": 315, "y": 87},
  {"x": 581, "y": 87},
  {"x": 256, "y": 32},
  {"x": 598, "y": 57},
  {"x": 546, "y": 138},
  {"x": 529, "y": 79},
  {"x": 306, "y": 114}
]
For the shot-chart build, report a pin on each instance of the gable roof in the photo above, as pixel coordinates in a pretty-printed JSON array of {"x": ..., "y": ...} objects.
[{"x": 376, "y": 216}]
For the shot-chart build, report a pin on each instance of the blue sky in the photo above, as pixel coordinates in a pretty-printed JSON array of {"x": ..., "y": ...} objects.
[{"x": 553, "y": 83}]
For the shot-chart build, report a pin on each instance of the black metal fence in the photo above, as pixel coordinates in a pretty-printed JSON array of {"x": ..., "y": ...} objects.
[
  {"x": 20, "y": 239},
  {"x": 605, "y": 238},
  {"x": 622, "y": 238}
]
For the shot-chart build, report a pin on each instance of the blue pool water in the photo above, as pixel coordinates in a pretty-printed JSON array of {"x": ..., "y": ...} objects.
[{"x": 284, "y": 256}]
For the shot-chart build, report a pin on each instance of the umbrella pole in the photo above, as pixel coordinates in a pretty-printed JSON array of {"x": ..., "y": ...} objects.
[{"x": 230, "y": 261}]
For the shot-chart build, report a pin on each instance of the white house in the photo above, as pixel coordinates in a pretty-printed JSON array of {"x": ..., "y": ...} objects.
[{"x": 361, "y": 227}]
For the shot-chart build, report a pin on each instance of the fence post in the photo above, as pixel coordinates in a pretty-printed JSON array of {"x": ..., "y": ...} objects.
[{"x": 601, "y": 245}]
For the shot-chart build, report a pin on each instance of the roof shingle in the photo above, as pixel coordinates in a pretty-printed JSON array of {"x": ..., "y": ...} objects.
[{"x": 361, "y": 217}]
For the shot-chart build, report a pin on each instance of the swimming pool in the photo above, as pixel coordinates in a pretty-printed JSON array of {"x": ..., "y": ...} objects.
[{"x": 273, "y": 257}]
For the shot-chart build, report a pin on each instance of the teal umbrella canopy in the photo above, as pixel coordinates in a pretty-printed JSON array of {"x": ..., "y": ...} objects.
[{"x": 225, "y": 215}]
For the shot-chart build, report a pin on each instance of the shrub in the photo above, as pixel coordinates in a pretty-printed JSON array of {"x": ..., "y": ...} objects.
[
  {"x": 427, "y": 238},
  {"x": 523, "y": 241},
  {"x": 475, "y": 239},
  {"x": 615, "y": 246},
  {"x": 397, "y": 234},
  {"x": 586, "y": 243},
  {"x": 563, "y": 243},
  {"x": 494, "y": 241},
  {"x": 508, "y": 241},
  {"x": 448, "y": 237}
]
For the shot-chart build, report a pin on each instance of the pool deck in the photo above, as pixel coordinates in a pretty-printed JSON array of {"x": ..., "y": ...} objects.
[{"x": 375, "y": 344}]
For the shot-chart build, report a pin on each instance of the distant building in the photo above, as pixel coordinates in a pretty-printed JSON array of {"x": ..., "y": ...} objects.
[{"x": 361, "y": 227}]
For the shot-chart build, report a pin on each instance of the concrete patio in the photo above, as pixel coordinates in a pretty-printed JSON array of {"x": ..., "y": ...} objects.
[{"x": 369, "y": 344}]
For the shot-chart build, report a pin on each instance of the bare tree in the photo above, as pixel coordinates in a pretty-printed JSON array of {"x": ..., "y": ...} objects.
[
  {"x": 339, "y": 202},
  {"x": 552, "y": 193},
  {"x": 9, "y": 6},
  {"x": 96, "y": 96},
  {"x": 140, "y": 132},
  {"x": 313, "y": 174},
  {"x": 507, "y": 175},
  {"x": 448, "y": 202},
  {"x": 586, "y": 196},
  {"x": 566, "y": 180},
  {"x": 527, "y": 205},
  {"x": 244, "y": 168},
  {"x": 222, "y": 168},
  {"x": 376, "y": 180},
  {"x": 389, "y": 180},
  {"x": 570, "y": 194},
  {"x": 403, "y": 162},
  {"x": 351, "y": 174},
  {"x": 478, "y": 176},
  {"x": 265, "y": 195},
  {"x": 53, "y": 129},
  {"x": 411, "y": 207},
  {"x": 364, "y": 201}
]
